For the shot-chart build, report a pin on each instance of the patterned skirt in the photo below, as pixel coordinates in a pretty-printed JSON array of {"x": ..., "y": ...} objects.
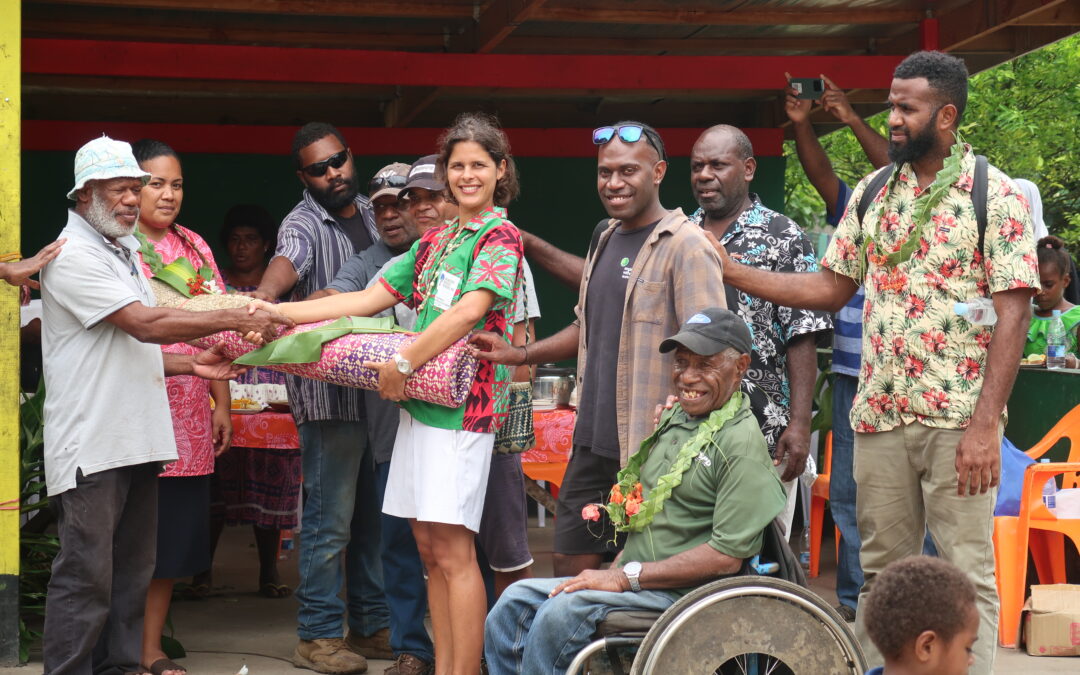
[{"x": 257, "y": 486}]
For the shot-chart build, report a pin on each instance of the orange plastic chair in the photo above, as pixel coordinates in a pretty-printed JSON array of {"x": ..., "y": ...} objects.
[
  {"x": 819, "y": 494},
  {"x": 1036, "y": 527}
]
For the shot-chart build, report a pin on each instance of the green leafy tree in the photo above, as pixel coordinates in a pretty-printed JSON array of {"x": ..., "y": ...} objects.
[{"x": 1023, "y": 115}]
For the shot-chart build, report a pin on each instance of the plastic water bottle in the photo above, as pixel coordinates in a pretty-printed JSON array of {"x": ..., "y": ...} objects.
[
  {"x": 804, "y": 556},
  {"x": 1055, "y": 342},
  {"x": 978, "y": 311},
  {"x": 1049, "y": 495}
]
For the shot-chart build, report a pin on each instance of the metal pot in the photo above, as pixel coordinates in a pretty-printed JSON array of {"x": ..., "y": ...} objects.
[{"x": 552, "y": 386}]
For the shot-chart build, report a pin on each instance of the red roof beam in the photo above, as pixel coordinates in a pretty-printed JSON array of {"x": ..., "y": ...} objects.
[
  {"x": 412, "y": 69},
  {"x": 67, "y": 136}
]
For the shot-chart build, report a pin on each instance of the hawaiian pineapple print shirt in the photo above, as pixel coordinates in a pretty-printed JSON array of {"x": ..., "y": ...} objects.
[
  {"x": 443, "y": 265},
  {"x": 768, "y": 240},
  {"x": 922, "y": 362}
]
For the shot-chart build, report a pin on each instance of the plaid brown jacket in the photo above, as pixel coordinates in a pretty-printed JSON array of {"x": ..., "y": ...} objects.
[{"x": 676, "y": 274}]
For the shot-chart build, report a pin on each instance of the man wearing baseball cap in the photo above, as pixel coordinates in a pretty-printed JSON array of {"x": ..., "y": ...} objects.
[
  {"x": 709, "y": 447},
  {"x": 424, "y": 196},
  {"x": 107, "y": 424},
  {"x": 403, "y": 574}
]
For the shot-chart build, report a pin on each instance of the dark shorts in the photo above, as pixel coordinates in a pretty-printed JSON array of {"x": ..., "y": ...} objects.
[
  {"x": 588, "y": 480},
  {"x": 503, "y": 535},
  {"x": 183, "y": 536}
]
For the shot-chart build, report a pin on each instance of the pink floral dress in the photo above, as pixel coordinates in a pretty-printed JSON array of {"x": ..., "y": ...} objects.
[{"x": 189, "y": 396}]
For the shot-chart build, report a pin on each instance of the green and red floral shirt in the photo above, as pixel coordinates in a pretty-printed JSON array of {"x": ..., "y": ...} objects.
[
  {"x": 922, "y": 362},
  {"x": 443, "y": 265}
]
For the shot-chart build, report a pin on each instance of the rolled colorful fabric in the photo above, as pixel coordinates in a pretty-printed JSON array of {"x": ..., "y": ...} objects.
[{"x": 444, "y": 380}]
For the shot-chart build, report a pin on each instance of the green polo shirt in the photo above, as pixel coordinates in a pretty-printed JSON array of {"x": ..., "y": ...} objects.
[{"x": 728, "y": 495}]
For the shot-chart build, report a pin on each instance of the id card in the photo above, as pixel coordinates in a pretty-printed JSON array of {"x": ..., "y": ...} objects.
[{"x": 445, "y": 290}]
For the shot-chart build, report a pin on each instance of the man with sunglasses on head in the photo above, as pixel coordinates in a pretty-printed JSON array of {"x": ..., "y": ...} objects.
[
  {"x": 332, "y": 222},
  {"x": 648, "y": 270}
]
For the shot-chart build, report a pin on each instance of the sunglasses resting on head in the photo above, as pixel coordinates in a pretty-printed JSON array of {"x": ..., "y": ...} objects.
[{"x": 628, "y": 133}]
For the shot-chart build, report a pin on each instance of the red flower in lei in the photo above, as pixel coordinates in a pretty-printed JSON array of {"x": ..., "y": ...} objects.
[{"x": 195, "y": 285}]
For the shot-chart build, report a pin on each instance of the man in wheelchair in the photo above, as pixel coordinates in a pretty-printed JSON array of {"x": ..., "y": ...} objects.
[{"x": 695, "y": 501}]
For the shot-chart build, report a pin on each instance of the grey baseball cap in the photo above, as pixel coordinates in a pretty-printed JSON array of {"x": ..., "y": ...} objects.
[
  {"x": 422, "y": 175},
  {"x": 711, "y": 331}
]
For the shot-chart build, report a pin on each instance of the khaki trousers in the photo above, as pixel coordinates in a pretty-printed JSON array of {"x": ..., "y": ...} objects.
[{"x": 906, "y": 481}]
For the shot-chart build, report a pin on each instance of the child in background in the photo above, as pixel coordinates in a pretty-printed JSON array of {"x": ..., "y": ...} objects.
[
  {"x": 1054, "y": 267},
  {"x": 921, "y": 616}
]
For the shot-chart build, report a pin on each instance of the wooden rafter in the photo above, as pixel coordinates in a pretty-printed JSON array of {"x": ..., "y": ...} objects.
[
  {"x": 706, "y": 15},
  {"x": 359, "y": 8},
  {"x": 505, "y": 71},
  {"x": 702, "y": 14}
]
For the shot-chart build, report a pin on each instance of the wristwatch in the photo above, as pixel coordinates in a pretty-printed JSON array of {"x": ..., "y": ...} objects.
[
  {"x": 632, "y": 570},
  {"x": 403, "y": 365}
]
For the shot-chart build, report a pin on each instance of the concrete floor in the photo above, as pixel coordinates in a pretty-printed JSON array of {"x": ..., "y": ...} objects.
[{"x": 237, "y": 627}]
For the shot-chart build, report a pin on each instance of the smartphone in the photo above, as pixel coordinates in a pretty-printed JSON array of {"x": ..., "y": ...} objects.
[{"x": 810, "y": 88}]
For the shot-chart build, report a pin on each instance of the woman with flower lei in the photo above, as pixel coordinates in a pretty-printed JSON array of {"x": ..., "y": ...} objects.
[{"x": 201, "y": 434}]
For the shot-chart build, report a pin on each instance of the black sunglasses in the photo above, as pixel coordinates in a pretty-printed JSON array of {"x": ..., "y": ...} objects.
[
  {"x": 628, "y": 133},
  {"x": 316, "y": 169},
  {"x": 392, "y": 181}
]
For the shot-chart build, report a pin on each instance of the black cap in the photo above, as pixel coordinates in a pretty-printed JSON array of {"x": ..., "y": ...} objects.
[
  {"x": 711, "y": 331},
  {"x": 422, "y": 175}
]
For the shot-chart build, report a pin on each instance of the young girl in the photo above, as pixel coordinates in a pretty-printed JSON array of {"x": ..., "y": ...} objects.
[
  {"x": 1054, "y": 266},
  {"x": 183, "y": 541},
  {"x": 458, "y": 277}
]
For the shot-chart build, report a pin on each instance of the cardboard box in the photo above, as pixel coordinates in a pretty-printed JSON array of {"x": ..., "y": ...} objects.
[{"x": 1051, "y": 620}]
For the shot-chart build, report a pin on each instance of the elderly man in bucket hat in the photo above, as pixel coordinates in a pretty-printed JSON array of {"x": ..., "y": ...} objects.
[
  {"x": 724, "y": 493},
  {"x": 107, "y": 423}
]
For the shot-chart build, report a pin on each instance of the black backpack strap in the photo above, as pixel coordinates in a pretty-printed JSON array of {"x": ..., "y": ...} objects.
[
  {"x": 979, "y": 189},
  {"x": 595, "y": 241},
  {"x": 872, "y": 189}
]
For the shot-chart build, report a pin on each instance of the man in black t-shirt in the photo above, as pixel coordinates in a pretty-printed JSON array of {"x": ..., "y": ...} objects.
[{"x": 649, "y": 271}]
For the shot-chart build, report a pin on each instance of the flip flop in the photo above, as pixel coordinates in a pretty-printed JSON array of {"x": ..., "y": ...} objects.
[
  {"x": 269, "y": 590},
  {"x": 193, "y": 591},
  {"x": 164, "y": 665}
]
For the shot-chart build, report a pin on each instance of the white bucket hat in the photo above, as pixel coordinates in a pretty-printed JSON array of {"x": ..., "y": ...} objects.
[{"x": 102, "y": 159}]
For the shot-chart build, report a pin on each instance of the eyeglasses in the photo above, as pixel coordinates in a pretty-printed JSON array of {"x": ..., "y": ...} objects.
[
  {"x": 336, "y": 161},
  {"x": 628, "y": 133},
  {"x": 414, "y": 198},
  {"x": 392, "y": 181}
]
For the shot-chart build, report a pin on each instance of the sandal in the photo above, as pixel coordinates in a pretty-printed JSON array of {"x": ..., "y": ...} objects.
[
  {"x": 269, "y": 590},
  {"x": 164, "y": 665}
]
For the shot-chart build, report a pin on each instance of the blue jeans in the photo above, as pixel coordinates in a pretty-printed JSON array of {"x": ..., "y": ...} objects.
[
  {"x": 340, "y": 528},
  {"x": 528, "y": 632},
  {"x": 849, "y": 575},
  {"x": 406, "y": 590}
]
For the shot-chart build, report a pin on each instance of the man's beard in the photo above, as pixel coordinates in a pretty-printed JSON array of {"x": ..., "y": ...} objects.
[
  {"x": 917, "y": 146},
  {"x": 333, "y": 201},
  {"x": 102, "y": 219}
]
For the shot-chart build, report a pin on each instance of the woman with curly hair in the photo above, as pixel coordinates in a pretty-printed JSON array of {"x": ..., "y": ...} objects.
[{"x": 460, "y": 277}]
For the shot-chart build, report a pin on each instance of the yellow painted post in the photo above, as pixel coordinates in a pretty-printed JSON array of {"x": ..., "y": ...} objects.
[{"x": 10, "y": 105}]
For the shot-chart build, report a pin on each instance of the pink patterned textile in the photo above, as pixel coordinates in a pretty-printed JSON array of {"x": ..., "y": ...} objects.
[
  {"x": 444, "y": 380},
  {"x": 189, "y": 396}
]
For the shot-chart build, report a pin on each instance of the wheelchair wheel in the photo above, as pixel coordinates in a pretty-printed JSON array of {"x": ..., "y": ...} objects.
[{"x": 756, "y": 625}]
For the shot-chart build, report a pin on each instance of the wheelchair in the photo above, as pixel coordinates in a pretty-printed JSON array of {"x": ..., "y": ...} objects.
[{"x": 740, "y": 625}]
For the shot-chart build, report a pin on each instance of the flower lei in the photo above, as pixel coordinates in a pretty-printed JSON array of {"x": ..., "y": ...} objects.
[
  {"x": 626, "y": 508},
  {"x": 180, "y": 274},
  {"x": 924, "y": 204}
]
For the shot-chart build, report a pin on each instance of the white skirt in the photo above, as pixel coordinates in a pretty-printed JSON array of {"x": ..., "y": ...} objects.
[{"x": 438, "y": 475}]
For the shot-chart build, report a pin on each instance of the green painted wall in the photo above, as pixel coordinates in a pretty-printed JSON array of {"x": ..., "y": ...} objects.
[
  {"x": 558, "y": 200},
  {"x": 1038, "y": 400}
]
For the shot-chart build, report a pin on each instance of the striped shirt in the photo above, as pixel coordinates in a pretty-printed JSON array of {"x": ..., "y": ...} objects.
[
  {"x": 847, "y": 323},
  {"x": 317, "y": 247}
]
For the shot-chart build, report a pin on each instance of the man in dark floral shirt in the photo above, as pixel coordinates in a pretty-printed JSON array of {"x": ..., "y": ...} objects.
[{"x": 783, "y": 364}]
